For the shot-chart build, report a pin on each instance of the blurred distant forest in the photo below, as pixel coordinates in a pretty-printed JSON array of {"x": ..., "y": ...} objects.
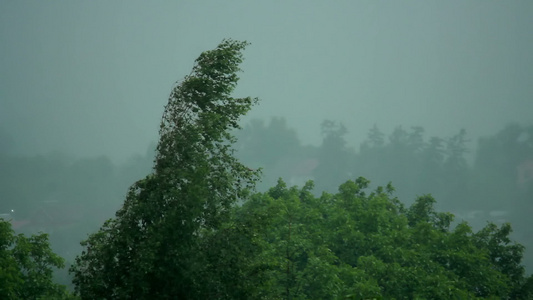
[
  {"x": 499, "y": 178},
  {"x": 69, "y": 198}
]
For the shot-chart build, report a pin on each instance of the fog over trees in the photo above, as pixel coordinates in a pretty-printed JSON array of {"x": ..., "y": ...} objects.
[
  {"x": 259, "y": 215},
  {"x": 388, "y": 154}
]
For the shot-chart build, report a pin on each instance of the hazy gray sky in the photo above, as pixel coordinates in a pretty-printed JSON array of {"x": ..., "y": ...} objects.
[{"x": 92, "y": 77}]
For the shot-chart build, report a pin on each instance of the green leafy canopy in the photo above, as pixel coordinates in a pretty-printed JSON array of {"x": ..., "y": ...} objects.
[
  {"x": 151, "y": 249},
  {"x": 26, "y": 266}
]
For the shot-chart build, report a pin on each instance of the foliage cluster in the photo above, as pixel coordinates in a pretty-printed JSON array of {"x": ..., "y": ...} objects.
[
  {"x": 26, "y": 266},
  {"x": 360, "y": 245}
]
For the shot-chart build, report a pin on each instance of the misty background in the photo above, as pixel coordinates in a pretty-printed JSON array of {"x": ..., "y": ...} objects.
[{"x": 83, "y": 86}]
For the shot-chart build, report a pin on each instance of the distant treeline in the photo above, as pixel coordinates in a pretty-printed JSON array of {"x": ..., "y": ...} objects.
[
  {"x": 71, "y": 197},
  {"x": 501, "y": 169}
]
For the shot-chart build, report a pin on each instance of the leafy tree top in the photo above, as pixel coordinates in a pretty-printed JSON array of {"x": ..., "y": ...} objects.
[
  {"x": 143, "y": 253},
  {"x": 26, "y": 266}
]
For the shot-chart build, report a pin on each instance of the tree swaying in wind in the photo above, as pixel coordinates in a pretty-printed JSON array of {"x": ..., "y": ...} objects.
[
  {"x": 180, "y": 236},
  {"x": 151, "y": 250}
]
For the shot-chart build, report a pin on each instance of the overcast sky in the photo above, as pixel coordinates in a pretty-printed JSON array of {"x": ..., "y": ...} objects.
[{"x": 92, "y": 77}]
